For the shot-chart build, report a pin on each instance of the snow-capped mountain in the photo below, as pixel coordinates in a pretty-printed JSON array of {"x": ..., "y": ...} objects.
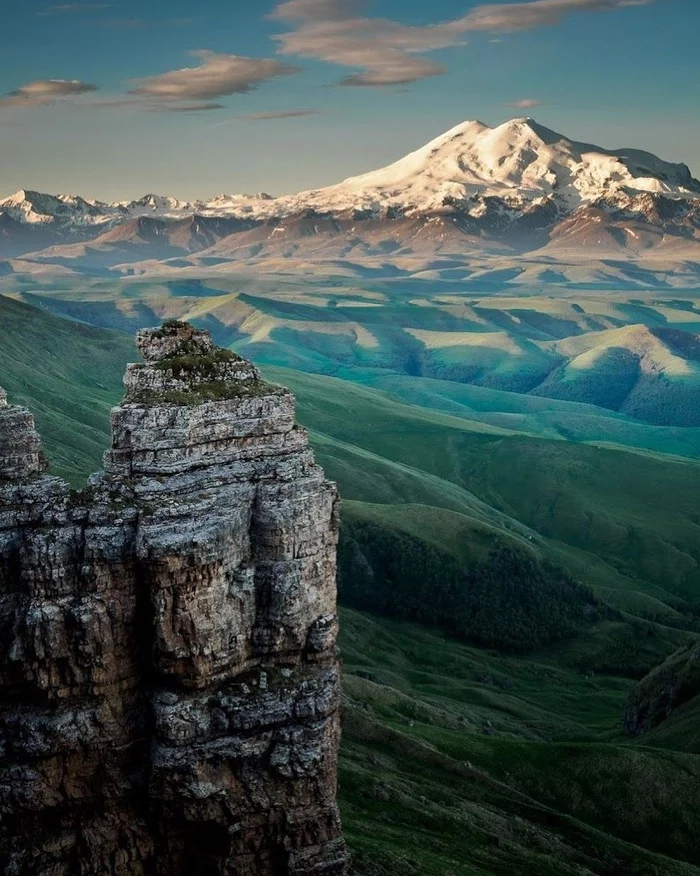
[
  {"x": 35, "y": 208},
  {"x": 518, "y": 186},
  {"x": 519, "y": 161}
]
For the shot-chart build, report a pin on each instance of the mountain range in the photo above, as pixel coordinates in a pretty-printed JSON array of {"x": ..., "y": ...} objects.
[{"x": 518, "y": 203}]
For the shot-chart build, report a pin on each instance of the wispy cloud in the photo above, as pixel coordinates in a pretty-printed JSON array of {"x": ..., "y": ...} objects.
[
  {"x": 43, "y": 92},
  {"x": 187, "y": 90},
  {"x": 525, "y": 103},
  {"x": 282, "y": 114},
  {"x": 384, "y": 51},
  {"x": 185, "y": 107},
  {"x": 216, "y": 76},
  {"x": 317, "y": 10},
  {"x": 390, "y": 53},
  {"x": 267, "y": 116},
  {"x": 147, "y": 105},
  {"x": 509, "y": 17},
  {"x": 67, "y": 8},
  {"x": 396, "y": 68},
  {"x": 143, "y": 23}
]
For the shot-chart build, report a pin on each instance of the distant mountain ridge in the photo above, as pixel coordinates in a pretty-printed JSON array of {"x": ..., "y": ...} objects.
[{"x": 513, "y": 189}]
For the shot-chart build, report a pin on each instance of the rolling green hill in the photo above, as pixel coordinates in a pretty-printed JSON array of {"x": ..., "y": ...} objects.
[
  {"x": 606, "y": 353},
  {"x": 458, "y": 759},
  {"x": 70, "y": 375},
  {"x": 637, "y": 514}
]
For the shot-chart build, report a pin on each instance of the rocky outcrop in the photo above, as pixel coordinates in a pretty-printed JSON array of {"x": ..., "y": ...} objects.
[
  {"x": 168, "y": 673},
  {"x": 20, "y": 446},
  {"x": 664, "y": 691}
]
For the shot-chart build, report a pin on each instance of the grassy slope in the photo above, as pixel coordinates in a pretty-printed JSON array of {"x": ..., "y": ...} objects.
[
  {"x": 679, "y": 732},
  {"x": 455, "y": 760},
  {"x": 368, "y": 335},
  {"x": 70, "y": 375},
  {"x": 636, "y": 513},
  {"x": 546, "y": 418},
  {"x": 665, "y": 705}
]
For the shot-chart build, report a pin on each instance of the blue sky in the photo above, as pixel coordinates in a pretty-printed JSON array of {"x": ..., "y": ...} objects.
[{"x": 281, "y": 96}]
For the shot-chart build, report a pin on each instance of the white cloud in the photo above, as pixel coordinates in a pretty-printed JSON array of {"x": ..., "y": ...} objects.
[
  {"x": 46, "y": 91},
  {"x": 504, "y": 17},
  {"x": 385, "y": 52},
  {"x": 216, "y": 76},
  {"x": 395, "y": 68},
  {"x": 525, "y": 103},
  {"x": 319, "y": 10}
]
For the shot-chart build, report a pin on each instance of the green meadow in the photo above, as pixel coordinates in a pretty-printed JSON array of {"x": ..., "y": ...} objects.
[{"x": 458, "y": 427}]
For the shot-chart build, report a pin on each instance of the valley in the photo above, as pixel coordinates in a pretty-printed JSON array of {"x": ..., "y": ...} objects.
[
  {"x": 457, "y": 758},
  {"x": 350, "y": 438}
]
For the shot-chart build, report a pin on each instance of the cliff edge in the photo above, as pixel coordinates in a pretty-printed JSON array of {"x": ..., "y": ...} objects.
[
  {"x": 661, "y": 697},
  {"x": 169, "y": 681}
]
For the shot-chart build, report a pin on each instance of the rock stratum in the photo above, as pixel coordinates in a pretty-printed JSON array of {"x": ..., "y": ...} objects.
[{"x": 168, "y": 671}]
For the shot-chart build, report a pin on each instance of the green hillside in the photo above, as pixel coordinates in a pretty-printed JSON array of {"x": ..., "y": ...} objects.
[
  {"x": 70, "y": 375},
  {"x": 456, "y": 760},
  {"x": 460, "y": 759},
  {"x": 664, "y": 707},
  {"x": 631, "y": 518},
  {"x": 608, "y": 366}
]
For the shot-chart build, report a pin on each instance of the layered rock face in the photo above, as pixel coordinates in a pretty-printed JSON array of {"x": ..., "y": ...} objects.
[{"x": 168, "y": 673}]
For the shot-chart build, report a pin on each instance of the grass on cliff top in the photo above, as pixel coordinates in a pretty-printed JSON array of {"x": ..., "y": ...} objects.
[
  {"x": 203, "y": 375},
  {"x": 208, "y": 391},
  {"x": 182, "y": 362}
]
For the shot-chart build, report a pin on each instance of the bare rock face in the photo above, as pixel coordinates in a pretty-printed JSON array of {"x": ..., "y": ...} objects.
[
  {"x": 665, "y": 691},
  {"x": 20, "y": 445},
  {"x": 168, "y": 673}
]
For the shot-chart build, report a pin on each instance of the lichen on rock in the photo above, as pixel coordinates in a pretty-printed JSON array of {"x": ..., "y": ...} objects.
[{"x": 168, "y": 671}]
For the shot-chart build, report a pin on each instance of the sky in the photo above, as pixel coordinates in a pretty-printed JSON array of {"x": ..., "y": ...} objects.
[{"x": 112, "y": 100}]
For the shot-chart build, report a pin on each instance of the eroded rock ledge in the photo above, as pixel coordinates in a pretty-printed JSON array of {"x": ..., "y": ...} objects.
[{"x": 169, "y": 683}]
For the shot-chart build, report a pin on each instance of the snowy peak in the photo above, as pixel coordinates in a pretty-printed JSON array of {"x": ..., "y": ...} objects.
[
  {"x": 495, "y": 177},
  {"x": 28, "y": 206},
  {"x": 35, "y": 208},
  {"x": 519, "y": 160},
  {"x": 154, "y": 203}
]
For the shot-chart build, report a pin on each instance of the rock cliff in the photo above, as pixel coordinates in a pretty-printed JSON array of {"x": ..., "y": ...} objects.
[
  {"x": 168, "y": 674},
  {"x": 665, "y": 691}
]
